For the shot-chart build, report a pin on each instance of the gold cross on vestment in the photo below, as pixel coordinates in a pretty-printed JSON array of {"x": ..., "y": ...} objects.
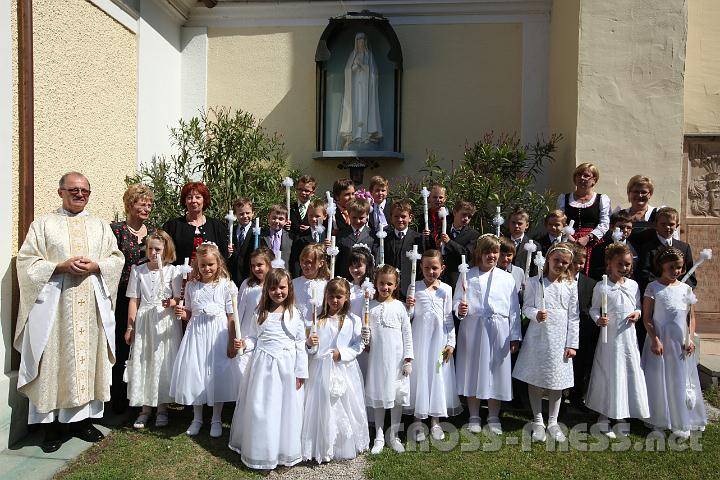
[
  {"x": 82, "y": 331},
  {"x": 81, "y": 302},
  {"x": 82, "y": 360}
]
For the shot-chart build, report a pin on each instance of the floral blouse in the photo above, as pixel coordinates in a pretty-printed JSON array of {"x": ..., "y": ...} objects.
[{"x": 133, "y": 250}]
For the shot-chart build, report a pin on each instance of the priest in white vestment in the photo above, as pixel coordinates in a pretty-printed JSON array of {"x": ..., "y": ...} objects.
[{"x": 68, "y": 270}]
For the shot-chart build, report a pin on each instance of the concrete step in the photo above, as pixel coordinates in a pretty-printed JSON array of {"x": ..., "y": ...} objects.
[{"x": 709, "y": 360}]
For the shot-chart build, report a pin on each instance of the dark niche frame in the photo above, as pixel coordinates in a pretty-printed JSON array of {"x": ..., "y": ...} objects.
[{"x": 356, "y": 160}]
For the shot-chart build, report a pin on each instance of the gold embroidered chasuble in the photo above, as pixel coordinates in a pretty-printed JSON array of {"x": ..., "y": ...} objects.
[{"x": 66, "y": 326}]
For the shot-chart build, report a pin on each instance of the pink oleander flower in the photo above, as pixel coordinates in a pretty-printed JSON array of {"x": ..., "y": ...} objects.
[{"x": 365, "y": 195}]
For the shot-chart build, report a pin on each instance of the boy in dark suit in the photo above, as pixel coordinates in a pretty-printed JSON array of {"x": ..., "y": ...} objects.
[
  {"x": 400, "y": 240},
  {"x": 299, "y": 222},
  {"x": 437, "y": 200},
  {"x": 597, "y": 258},
  {"x": 343, "y": 192},
  {"x": 317, "y": 215},
  {"x": 589, "y": 331},
  {"x": 276, "y": 238},
  {"x": 380, "y": 214},
  {"x": 555, "y": 221},
  {"x": 243, "y": 240},
  {"x": 356, "y": 232},
  {"x": 518, "y": 223},
  {"x": 650, "y": 242},
  {"x": 460, "y": 240}
]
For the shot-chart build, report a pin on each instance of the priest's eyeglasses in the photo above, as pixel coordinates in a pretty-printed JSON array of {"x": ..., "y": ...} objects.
[{"x": 77, "y": 191}]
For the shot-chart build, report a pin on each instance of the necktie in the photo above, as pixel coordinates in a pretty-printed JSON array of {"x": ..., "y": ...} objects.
[
  {"x": 517, "y": 244},
  {"x": 241, "y": 235},
  {"x": 303, "y": 210},
  {"x": 357, "y": 234},
  {"x": 401, "y": 235},
  {"x": 316, "y": 236},
  {"x": 276, "y": 242},
  {"x": 379, "y": 216}
]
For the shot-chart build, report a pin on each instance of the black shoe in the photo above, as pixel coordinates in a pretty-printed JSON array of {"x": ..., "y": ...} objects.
[
  {"x": 53, "y": 438},
  {"x": 579, "y": 405},
  {"x": 85, "y": 430}
]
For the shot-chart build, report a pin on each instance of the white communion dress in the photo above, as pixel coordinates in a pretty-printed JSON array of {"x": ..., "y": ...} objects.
[
  {"x": 203, "y": 373},
  {"x": 248, "y": 301},
  {"x": 542, "y": 361},
  {"x": 268, "y": 418},
  {"x": 493, "y": 320},
  {"x": 157, "y": 336},
  {"x": 432, "y": 381},
  {"x": 335, "y": 424},
  {"x": 617, "y": 383},
  {"x": 669, "y": 375},
  {"x": 302, "y": 289}
]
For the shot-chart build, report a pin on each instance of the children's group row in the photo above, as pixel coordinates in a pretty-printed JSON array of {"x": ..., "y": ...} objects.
[{"x": 307, "y": 360}]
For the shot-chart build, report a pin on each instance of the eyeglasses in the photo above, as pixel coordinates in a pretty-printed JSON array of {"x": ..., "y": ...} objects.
[{"x": 76, "y": 191}]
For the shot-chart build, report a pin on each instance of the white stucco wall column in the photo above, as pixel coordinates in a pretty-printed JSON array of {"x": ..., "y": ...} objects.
[
  {"x": 159, "y": 78},
  {"x": 193, "y": 90},
  {"x": 535, "y": 77}
]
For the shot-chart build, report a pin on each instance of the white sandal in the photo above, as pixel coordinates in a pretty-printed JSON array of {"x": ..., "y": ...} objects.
[{"x": 141, "y": 421}]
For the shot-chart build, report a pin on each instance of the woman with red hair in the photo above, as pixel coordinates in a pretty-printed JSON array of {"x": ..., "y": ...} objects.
[{"x": 190, "y": 230}]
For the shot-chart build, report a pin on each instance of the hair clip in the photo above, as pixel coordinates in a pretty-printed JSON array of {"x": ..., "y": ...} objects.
[
  {"x": 556, "y": 248},
  {"x": 670, "y": 251},
  {"x": 208, "y": 242},
  {"x": 492, "y": 235}
]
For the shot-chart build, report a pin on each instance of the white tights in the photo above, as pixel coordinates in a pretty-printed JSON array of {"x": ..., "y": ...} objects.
[
  {"x": 554, "y": 398},
  {"x": 395, "y": 417},
  {"x": 493, "y": 408},
  {"x": 217, "y": 412}
]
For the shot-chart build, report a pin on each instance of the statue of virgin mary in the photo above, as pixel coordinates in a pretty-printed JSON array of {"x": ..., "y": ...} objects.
[{"x": 360, "y": 120}]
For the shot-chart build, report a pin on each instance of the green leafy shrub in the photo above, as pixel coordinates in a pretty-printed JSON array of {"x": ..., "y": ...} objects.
[
  {"x": 229, "y": 152},
  {"x": 494, "y": 171}
]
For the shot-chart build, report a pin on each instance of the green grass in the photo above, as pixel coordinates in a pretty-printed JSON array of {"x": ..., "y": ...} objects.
[
  {"x": 169, "y": 453},
  {"x": 712, "y": 395},
  {"x": 513, "y": 461},
  {"x": 161, "y": 453}
]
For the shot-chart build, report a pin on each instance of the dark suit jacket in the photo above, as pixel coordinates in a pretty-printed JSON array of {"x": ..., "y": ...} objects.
[
  {"x": 521, "y": 254},
  {"x": 433, "y": 241},
  {"x": 395, "y": 255},
  {"x": 386, "y": 211},
  {"x": 297, "y": 247},
  {"x": 544, "y": 244},
  {"x": 588, "y": 329},
  {"x": 597, "y": 257},
  {"x": 646, "y": 255},
  {"x": 462, "y": 244},
  {"x": 183, "y": 234},
  {"x": 239, "y": 261},
  {"x": 285, "y": 245},
  {"x": 339, "y": 223},
  {"x": 345, "y": 241},
  {"x": 297, "y": 221}
]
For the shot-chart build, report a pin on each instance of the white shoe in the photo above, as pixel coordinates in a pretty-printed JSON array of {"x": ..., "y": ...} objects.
[
  {"x": 378, "y": 446},
  {"x": 437, "y": 432},
  {"x": 556, "y": 433},
  {"x": 396, "y": 445},
  {"x": 494, "y": 426},
  {"x": 604, "y": 427},
  {"x": 141, "y": 421},
  {"x": 474, "y": 426},
  {"x": 623, "y": 429},
  {"x": 682, "y": 434},
  {"x": 420, "y": 436},
  {"x": 216, "y": 429},
  {"x": 538, "y": 432},
  {"x": 194, "y": 428}
]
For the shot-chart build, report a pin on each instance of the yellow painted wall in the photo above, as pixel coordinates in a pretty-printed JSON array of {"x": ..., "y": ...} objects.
[
  {"x": 85, "y": 103},
  {"x": 563, "y": 88},
  {"x": 459, "y": 81},
  {"x": 630, "y": 94},
  {"x": 702, "y": 68}
]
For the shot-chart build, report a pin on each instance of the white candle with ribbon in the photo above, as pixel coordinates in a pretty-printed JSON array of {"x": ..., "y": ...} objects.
[
  {"x": 184, "y": 270},
  {"x": 540, "y": 262},
  {"x": 332, "y": 252},
  {"x": 314, "y": 303},
  {"x": 604, "y": 308},
  {"x": 425, "y": 193},
  {"x": 236, "y": 316},
  {"x": 413, "y": 256},
  {"x": 331, "y": 209},
  {"x": 381, "y": 234},
  {"x": 161, "y": 289},
  {"x": 443, "y": 213},
  {"x": 530, "y": 248},
  {"x": 368, "y": 291},
  {"x": 287, "y": 183},
  {"x": 256, "y": 232},
  {"x": 705, "y": 254},
  {"x": 690, "y": 300},
  {"x": 463, "y": 269},
  {"x": 231, "y": 218},
  {"x": 567, "y": 231},
  {"x": 498, "y": 220}
]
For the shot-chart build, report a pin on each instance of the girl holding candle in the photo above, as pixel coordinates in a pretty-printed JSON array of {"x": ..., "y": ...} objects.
[
  {"x": 335, "y": 423},
  {"x": 249, "y": 299},
  {"x": 389, "y": 339},
  {"x": 432, "y": 382},
  {"x": 153, "y": 331},
  {"x": 551, "y": 340},
  {"x": 203, "y": 372},
  {"x": 489, "y": 332},
  {"x": 315, "y": 274},
  {"x": 617, "y": 384},
  {"x": 667, "y": 358},
  {"x": 362, "y": 266},
  {"x": 267, "y": 423}
]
